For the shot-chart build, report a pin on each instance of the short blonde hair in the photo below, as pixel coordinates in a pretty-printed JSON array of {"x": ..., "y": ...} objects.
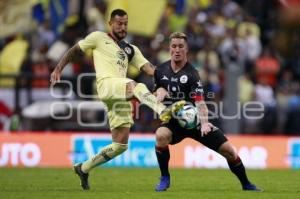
[{"x": 179, "y": 35}]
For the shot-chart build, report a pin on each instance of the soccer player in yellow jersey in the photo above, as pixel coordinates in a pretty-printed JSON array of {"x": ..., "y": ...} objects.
[{"x": 112, "y": 55}]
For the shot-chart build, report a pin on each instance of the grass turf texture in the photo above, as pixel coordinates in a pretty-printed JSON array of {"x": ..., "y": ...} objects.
[{"x": 131, "y": 183}]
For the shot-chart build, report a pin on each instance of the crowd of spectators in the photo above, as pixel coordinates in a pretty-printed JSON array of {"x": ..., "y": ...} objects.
[{"x": 225, "y": 37}]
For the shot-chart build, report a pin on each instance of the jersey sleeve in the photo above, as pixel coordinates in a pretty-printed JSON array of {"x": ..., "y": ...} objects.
[
  {"x": 90, "y": 41},
  {"x": 156, "y": 80},
  {"x": 196, "y": 87},
  {"x": 138, "y": 59}
]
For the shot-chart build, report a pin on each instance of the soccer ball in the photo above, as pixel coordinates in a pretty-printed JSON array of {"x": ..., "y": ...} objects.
[{"x": 187, "y": 117}]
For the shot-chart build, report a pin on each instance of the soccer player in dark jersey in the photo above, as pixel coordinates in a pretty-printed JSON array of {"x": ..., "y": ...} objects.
[{"x": 177, "y": 80}]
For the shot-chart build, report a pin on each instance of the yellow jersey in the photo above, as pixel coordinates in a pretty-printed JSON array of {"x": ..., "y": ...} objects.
[{"x": 109, "y": 59}]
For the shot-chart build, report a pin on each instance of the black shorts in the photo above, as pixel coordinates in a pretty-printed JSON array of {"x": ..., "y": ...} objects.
[{"x": 212, "y": 140}]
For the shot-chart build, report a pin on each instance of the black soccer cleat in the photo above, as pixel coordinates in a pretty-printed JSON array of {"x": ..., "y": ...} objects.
[{"x": 83, "y": 177}]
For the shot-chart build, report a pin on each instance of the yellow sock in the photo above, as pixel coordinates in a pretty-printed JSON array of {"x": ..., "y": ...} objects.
[
  {"x": 142, "y": 93},
  {"x": 107, "y": 153}
]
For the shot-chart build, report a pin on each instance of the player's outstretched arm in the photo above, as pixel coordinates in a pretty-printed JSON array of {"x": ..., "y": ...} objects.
[
  {"x": 148, "y": 68},
  {"x": 67, "y": 57}
]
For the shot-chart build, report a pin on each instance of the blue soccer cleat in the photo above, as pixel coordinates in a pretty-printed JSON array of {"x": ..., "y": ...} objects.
[
  {"x": 251, "y": 187},
  {"x": 163, "y": 184}
]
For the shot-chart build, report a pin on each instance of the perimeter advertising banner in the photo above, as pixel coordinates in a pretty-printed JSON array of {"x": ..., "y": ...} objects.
[
  {"x": 64, "y": 149},
  {"x": 35, "y": 150}
]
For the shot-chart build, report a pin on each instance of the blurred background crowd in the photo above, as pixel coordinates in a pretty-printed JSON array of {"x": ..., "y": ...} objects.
[{"x": 244, "y": 50}]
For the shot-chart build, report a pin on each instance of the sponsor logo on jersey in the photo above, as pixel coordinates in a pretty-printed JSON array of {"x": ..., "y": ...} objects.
[
  {"x": 174, "y": 79},
  {"x": 199, "y": 83},
  {"x": 164, "y": 78},
  {"x": 199, "y": 90},
  {"x": 121, "y": 55},
  {"x": 183, "y": 79},
  {"x": 122, "y": 64}
]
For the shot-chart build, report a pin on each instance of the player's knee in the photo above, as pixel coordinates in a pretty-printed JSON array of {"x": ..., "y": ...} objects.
[
  {"x": 162, "y": 139},
  {"x": 119, "y": 148},
  {"x": 133, "y": 83},
  {"x": 140, "y": 86},
  {"x": 130, "y": 86}
]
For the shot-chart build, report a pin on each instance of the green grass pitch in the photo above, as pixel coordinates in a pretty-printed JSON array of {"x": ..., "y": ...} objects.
[{"x": 131, "y": 183}]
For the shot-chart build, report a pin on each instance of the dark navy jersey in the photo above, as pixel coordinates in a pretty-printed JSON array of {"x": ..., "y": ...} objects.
[{"x": 183, "y": 85}]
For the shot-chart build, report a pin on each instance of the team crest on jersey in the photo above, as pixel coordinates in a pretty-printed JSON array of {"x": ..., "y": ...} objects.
[
  {"x": 121, "y": 55},
  {"x": 183, "y": 79},
  {"x": 128, "y": 50}
]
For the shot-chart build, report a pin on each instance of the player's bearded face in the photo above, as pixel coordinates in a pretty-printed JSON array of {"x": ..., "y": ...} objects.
[
  {"x": 178, "y": 50},
  {"x": 119, "y": 26}
]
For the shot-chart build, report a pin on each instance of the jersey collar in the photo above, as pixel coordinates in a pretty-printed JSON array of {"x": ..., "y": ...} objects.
[
  {"x": 185, "y": 65},
  {"x": 113, "y": 37}
]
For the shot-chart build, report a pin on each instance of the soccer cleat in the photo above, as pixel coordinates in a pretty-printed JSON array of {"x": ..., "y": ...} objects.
[
  {"x": 83, "y": 177},
  {"x": 251, "y": 187},
  {"x": 163, "y": 184},
  {"x": 166, "y": 115}
]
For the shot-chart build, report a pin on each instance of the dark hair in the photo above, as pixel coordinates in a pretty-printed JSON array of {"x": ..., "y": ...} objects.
[
  {"x": 118, "y": 12},
  {"x": 179, "y": 35}
]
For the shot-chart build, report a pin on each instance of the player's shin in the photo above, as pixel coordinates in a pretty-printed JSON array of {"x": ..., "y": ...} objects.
[
  {"x": 142, "y": 93},
  {"x": 237, "y": 167},
  {"x": 163, "y": 157},
  {"x": 107, "y": 153}
]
